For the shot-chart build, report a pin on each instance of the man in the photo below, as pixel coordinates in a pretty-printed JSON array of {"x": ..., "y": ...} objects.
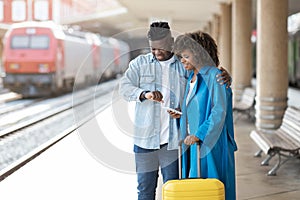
[{"x": 155, "y": 80}]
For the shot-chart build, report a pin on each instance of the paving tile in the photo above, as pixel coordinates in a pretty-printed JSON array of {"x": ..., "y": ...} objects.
[{"x": 252, "y": 181}]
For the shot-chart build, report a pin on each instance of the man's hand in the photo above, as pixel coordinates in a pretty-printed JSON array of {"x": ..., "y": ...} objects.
[
  {"x": 224, "y": 77},
  {"x": 154, "y": 96}
]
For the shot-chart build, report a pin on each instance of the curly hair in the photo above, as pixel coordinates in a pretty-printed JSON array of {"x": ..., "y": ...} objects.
[
  {"x": 202, "y": 46},
  {"x": 158, "y": 30}
]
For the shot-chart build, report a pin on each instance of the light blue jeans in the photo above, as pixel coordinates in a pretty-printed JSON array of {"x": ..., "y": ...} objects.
[{"x": 148, "y": 162}]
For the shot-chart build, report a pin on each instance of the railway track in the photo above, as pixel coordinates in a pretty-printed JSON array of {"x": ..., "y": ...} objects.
[
  {"x": 25, "y": 140},
  {"x": 16, "y": 105},
  {"x": 7, "y": 96}
]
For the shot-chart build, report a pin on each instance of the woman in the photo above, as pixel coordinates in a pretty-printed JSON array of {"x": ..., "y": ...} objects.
[{"x": 206, "y": 112}]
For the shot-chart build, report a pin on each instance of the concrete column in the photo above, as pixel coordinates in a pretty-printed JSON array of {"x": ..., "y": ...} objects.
[
  {"x": 225, "y": 37},
  {"x": 216, "y": 28},
  {"x": 241, "y": 46},
  {"x": 272, "y": 67},
  {"x": 1, "y": 67},
  {"x": 209, "y": 28},
  {"x": 205, "y": 29}
]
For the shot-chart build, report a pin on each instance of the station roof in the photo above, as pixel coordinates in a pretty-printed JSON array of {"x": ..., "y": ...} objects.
[
  {"x": 130, "y": 15},
  {"x": 183, "y": 15}
]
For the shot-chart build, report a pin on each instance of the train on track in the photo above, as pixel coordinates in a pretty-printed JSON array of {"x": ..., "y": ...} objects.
[
  {"x": 293, "y": 50},
  {"x": 44, "y": 58}
]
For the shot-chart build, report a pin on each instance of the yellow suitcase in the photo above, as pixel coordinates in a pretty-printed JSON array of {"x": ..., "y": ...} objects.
[{"x": 193, "y": 189}]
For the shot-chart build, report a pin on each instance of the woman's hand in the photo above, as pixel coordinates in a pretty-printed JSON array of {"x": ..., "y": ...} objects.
[
  {"x": 174, "y": 114},
  {"x": 224, "y": 77},
  {"x": 191, "y": 139}
]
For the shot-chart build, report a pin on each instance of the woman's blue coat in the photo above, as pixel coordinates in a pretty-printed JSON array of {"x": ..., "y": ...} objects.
[{"x": 209, "y": 115}]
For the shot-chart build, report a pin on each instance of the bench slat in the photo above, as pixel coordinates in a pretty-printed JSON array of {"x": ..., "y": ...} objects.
[
  {"x": 285, "y": 139},
  {"x": 246, "y": 104},
  {"x": 289, "y": 133},
  {"x": 247, "y": 98},
  {"x": 261, "y": 141}
]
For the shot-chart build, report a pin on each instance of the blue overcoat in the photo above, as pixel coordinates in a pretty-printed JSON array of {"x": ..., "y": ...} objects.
[{"x": 209, "y": 116}]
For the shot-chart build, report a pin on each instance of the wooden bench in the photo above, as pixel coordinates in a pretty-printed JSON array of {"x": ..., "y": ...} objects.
[
  {"x": 245, "y": 105},
  {"x": 283, "y": 142}
]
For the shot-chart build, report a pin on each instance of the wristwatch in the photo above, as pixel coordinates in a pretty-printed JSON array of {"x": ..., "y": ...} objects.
[{"x": 142, "y": 96}]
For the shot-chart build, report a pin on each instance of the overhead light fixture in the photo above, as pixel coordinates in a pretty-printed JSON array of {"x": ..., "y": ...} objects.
[{"x": 96, "y": 15}]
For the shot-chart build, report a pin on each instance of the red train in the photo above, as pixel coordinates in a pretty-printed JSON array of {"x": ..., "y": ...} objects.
[{"x": 43, "y": 58}]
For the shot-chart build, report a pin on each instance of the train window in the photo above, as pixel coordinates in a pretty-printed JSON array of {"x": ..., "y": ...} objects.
[
  {"x": 30, "y": 42},
  {"x": 39, "y": 42},
  {"x": 1, "y": 10},
  {"x": 19, "y": 42},
  {"x": 18, "y": 10},
  {"x": 41, "y": 10}
]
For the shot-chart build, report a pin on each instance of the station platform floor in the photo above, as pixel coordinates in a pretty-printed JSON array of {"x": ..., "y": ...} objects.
[{"x": 68, "y": 170}]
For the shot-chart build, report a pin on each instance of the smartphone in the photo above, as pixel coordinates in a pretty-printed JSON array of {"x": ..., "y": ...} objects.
[{"x": 173, "y": 110}]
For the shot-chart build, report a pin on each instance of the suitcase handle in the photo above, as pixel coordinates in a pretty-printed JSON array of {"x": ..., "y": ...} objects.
[{"x": 180, "y": 162}]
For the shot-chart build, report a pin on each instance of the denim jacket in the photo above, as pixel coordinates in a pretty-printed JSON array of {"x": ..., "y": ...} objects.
[{"x": 145, "y": 74}]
